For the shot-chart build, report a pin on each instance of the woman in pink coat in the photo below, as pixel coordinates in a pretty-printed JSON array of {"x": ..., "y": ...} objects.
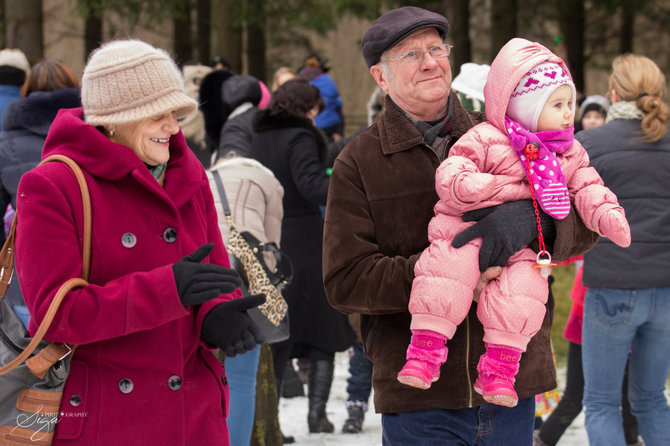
[
  {"x": 528, "y": 144},
  {"x": 143, "y": 372}
]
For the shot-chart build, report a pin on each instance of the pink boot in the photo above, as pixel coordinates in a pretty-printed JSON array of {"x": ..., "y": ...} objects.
[
  {"x": 425, "y": 355},
  {"x": 497, "y": 369}
]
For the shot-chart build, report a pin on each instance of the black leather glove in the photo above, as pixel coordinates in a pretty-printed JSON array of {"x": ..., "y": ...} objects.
[
  {"x": 504, "y": 229},
  {"x": 199, "y": 282},
  {"x": 229, "y": 327}
]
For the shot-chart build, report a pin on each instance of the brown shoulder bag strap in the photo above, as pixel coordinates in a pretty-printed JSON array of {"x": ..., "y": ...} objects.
[{"x": 7, "y": 267}]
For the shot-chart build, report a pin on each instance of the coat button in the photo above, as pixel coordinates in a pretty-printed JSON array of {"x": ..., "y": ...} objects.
[
  {"x": 75, "y": 400},
  {"x": 174, "y": 382},
  {"x": 224, "y": 381},
  {"x": 125, "y": 385},
  {"x": 128, "y": 240},
  {"x": 170, "y": 235}
]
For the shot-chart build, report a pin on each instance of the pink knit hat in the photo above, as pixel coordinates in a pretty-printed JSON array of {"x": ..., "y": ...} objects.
[
  {"x": 129, "y": 80},
  {"x": 265, "y": 96},
  {"x": 532, "y": 93}
]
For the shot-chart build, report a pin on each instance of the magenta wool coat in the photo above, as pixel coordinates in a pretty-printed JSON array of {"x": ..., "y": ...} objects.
[{"x": 141, "y": 374}]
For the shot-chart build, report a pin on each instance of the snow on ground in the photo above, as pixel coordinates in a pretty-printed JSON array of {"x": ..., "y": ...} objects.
[{"x": 293, "y": 417}]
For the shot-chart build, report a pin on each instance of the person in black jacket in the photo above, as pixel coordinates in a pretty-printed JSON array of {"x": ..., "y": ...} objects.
[
  {"x": 289, "y": 144},
  {"x": 242, "y": 95},
  {"x": 49, "y": 87}
]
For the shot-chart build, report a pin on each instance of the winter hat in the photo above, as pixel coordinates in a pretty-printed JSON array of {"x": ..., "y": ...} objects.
[
  {"x": 14, "y": 67},
  {"x": 14, "y": 58},
  {"x": 310, "y": 72},
  {"x": 471, "y": 80},
  {"x": 594, "y": 103},
  {"x": 240, "y": 88},
  {"x": 265, "y": 96},
  {"x": 392, "y": 27},
  {"x": 129, "y": 80},
  {"x": 533, "y": 90}
]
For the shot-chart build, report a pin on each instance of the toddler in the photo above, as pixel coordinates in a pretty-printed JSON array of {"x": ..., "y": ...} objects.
[{"x": 525, "y": 150}]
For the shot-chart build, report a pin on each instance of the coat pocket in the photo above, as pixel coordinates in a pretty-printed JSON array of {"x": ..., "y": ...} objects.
[
  {"x": 219, "y": 373},
  {"x": 73, "y": 411}
]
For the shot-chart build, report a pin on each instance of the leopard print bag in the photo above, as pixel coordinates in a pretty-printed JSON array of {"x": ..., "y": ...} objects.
[
  {"x": 246, "y": 254},
  {"x": 257, "y": 274}
]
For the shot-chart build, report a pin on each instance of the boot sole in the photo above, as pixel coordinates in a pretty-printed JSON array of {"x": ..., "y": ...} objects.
[
  {"x": 500, "y": 400},
  {"x": 413, "y": 381}
]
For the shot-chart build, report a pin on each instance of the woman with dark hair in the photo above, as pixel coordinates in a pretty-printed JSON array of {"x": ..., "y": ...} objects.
[
  {"x": 290, "y": 145},
  {"x": 49, "y": 87}
]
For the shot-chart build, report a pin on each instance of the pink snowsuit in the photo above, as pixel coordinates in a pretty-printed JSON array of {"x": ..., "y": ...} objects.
[{"x": 483, "y": 170}]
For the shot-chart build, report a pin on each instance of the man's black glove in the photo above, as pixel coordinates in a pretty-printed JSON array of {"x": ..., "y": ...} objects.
[
  {"x": 229, "y": 327},
  {"x": 199, "y": 282},
  {"x": 504, "y": 229}
]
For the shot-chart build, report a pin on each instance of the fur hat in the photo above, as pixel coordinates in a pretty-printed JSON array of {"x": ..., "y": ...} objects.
[
  {"x": 129, "y": 80},
  {"x": 532, "y": 93}
]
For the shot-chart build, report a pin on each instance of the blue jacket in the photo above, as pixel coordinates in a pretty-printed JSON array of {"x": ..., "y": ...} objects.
[
  {"x": 330, "y": 116},
  {"x": 7, "y": 94}
]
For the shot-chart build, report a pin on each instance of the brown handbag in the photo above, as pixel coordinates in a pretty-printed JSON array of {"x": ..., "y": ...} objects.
[{"x": 33, "y": 371}]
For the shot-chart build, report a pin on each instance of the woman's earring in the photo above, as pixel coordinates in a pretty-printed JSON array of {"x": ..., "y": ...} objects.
[{"x": 111, "y": 132}]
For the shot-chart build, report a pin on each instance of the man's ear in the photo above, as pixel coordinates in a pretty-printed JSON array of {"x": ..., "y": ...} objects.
[{"x": 380, "y": 77}]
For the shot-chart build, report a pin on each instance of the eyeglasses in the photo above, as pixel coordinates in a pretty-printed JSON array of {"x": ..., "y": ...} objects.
[{"x": 415, "y": 57}]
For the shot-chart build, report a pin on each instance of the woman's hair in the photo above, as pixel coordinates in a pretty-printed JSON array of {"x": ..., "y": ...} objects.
[
  {"x": 295, "y": 98},
  {"x": 277, "y": 75},
  {"x": 48, "y": 75},
  {"x": 638, "y": 79}
]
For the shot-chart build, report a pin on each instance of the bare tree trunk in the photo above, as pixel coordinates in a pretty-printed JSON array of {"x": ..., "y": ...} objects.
[
  {"x": 23, "y": 19},
  {"x": 228, "y": 34},
  {"x": 503, "y": 24},
  {"x": 203, "y": 27},
  {"x": 626, "y": 32},
  {"x": 458, "y": 13},
  {"x": 3, "y": 28},
  {"x": 255, "y": 38},
  {"x": 92, "y": 31},
  {"x": 571, "y": 23},
  {"x": 183, "y": 39}
]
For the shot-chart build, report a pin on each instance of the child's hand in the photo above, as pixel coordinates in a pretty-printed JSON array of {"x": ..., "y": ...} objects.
[
  {"x": 614, "y": 226},
  {"x": 488, "y": 275}
]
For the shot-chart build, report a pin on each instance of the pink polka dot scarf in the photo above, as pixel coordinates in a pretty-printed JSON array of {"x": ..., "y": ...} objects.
[{"x": 546, "y": 175}]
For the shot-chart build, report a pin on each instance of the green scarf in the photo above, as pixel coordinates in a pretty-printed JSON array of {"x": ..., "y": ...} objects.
[
  {"x": 156, "y": 171},
  {"x": 624, "y": 110}
]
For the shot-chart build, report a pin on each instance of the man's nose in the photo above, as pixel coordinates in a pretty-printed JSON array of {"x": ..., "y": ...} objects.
[{"x": 428, "y": 61}]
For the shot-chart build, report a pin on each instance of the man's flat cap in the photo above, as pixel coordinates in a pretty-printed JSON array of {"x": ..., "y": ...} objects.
[{"x": 395, "y": 25}]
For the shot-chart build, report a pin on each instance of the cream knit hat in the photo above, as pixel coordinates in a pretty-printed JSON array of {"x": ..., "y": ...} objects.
[
  {"x": 530, "y": 95},
  {"x": 129, "y": 80}
]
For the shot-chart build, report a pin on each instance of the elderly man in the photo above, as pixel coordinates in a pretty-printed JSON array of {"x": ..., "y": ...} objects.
[{"x": 380, "y": 202}]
